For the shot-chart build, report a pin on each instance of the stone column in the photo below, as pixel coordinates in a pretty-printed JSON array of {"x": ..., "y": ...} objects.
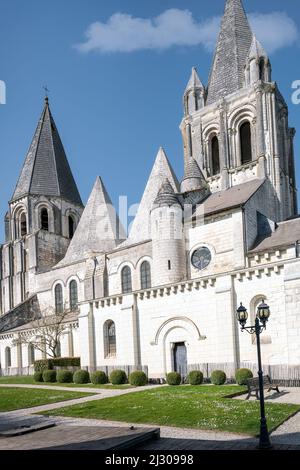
[
  {"x": 277, "y": 177},
  {"x": 223, "y": 147},
  {"x": 260, "y": 134}
]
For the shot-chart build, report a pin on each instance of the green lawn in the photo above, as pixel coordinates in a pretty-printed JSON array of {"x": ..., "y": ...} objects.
[
  {"x": 28, "y": 379},
  {"x": 202, "y": 407},
  {"x": 18, "y": 398}
]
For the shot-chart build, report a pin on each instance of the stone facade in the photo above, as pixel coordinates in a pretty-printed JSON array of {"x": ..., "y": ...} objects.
[{"x": 228, "y": 233}]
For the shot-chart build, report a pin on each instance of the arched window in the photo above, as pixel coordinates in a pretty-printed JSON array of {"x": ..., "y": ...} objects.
[
  {"x": 126, "y": 280},
  {"x": 145, "y": 275},
  {"x": 109, "y": 339},
  {"x": 7, "y": 357},
  {"x": 73, "y": 295},
  {"x": 245, "y": 140},
  {"x": 262, "y": 69},
  {"x": 215, "y": 156},
  {"x": 71, "y": 226},
  {"x": 265, "y": 337},
  {"x": 23, "y": 224},
  {"x": 44, "y": 219},
  {"x": 58, "y": 349},
  {"x": 59, "y": 307},
  {"x": 31, "y": 354}
]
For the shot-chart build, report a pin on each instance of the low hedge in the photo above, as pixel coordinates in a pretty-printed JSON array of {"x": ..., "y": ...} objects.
[
  {"x": 118, "y": 377},
  {"x": 99, "y": 377},
  {"x": 48, "y": 364},
  {"x": 38, "y": 376},
  {"x": 81, "y": 377},
  {"x": 242, "y": 375},
  {"x": 218, "y": 377},
  {"x": 138, "y": 378},
  {"x": 49, "y": 375},
  {"x": 173, "y": 378},
  {"x": 195, "y": 377},
  {"x": 64, "y": 376}
]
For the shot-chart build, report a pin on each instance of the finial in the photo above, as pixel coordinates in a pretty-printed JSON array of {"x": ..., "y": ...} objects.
[{"x": 46, "y": 94}]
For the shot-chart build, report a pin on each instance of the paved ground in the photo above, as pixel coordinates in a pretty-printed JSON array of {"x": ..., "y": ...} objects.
[{"x": 79, "y": 433}]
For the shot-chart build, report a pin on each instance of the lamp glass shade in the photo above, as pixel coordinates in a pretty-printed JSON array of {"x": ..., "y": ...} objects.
[
  {"x": 263, "y": 311},
  {"x": 242, "y": 315}
]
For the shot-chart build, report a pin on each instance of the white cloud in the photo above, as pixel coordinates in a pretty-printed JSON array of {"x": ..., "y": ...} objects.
[{"x": 125, "y": 33}]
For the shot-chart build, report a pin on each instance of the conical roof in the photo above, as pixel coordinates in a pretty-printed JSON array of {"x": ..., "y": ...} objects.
[
  {"x": 233, "y": 45},
  {"x": 193, "y": 177},
  {"x": 194, "y": 81},
  {"x": 141, "y": 226},
  {"x": 256, "y": 50},
  {"x": 99, "y": 229},
  {"x": 166, "y": 196},
  {"x": 46, "y": 170}
]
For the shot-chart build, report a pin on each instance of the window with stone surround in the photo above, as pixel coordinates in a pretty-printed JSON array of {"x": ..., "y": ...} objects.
[
  {"x": 126, "y": 280},
  {"x": 71, "y": 224},
  {"x": 73, "y": 295},
  {"x": 7, "y": 357},
  {"x": 44, "y": 223},
  {"x": 110, "y": 343},
  {"x": 245, "y": 141},
  {"x": 215, "y": 156},
  {"x": 31, "y": 354},
  {"x": 145, "y": 275}
]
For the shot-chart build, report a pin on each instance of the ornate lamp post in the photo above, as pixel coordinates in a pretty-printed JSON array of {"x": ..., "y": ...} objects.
[{"x": 262, "y": 316}]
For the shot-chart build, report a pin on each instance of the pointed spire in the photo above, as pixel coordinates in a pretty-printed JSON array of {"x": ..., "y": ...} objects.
[
  {"x": 99, "y": 229},
  {"x": 194, "y": 81},
  {"x": 233, "y": 45},
  {"x": 256, "y": 50},
  {"x": 193, "y": 177},
  {"x": 166, "y": 196},
  {"x": 46, "y": 170},
  {"x": 141, "y": 227}
]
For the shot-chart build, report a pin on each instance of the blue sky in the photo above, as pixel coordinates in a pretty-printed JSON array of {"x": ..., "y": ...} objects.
[{"x": 117, "y": 98}]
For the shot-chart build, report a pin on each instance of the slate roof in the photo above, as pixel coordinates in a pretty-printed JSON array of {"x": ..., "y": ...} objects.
[
  {"x": 286, "y": 233},
  {"x": 99, "y": 229},
  {"x": 166, "y": 196},
  {"x": 46, "y": 170},
  {"x": 233, "y": 197},
  {"x": 192, "y": 170},
  {"x": 233, "y": 45}
]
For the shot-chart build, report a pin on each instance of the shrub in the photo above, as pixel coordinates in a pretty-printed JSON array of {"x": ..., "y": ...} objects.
[
  {"x": 66, "y": 361},
  {"x": 99, "y": 377},
  {"x": 43, "y": 364},
  {"x": 173, "y": 378},
  {"x": 195, "y": 377},
  {"x": 49, "y": 375},
  {"x": 218, "y": 377},
  {"x": 138, "y": 378},
  {"x": 242, "y": 375},
  {"x": 118, "y": 377},
  {"x": 81, "y": 377},
  {"x": 38, "y": 376},
  {"x": 64, "y": 376}
]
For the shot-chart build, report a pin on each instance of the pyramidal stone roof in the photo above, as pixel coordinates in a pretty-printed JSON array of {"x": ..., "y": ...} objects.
[
  {"x": 166, "y": 196},
  {"x": 141, "y": 229},
  {"x": 233, "y": 45},
  {"x": 194, "y": 81},
  {"x": 192, "y": 170},
  {"x": 46, "y": 170},
  {"x": 256, "y": 50},
  {"x": 99, "y": 229}
]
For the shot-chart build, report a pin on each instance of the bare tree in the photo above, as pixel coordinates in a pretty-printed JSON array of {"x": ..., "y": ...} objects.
[{"x": 45, "y": 333}]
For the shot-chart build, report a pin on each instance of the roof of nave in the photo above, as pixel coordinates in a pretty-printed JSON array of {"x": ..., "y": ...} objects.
[
  {"x": 286, "y": 233},
  {"x": 161, "y": 170},
  {"x": 43, "y": 321},
  {"x": 233, "y": 45},
  {"x": 99, "y": 229},
  {"x": 46, "y": 170}
]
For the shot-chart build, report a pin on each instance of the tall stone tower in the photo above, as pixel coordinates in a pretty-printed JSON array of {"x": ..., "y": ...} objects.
[
  {"x": 43, "y": 214},
  {"x": 236, "y": 128}
]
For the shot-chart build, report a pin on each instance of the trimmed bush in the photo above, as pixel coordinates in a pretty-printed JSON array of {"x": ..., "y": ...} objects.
[
  {"x": 173, "y": 378},
  {"x": 242, "y": 375},
  {"x": 81, "y": 377},
  {"x": 66, "y": 362},
  {"x": 43, "y": 364},
  {"x": 64, "y": 376},
  {"x": 99, "y": 377},
  {"x": 38, "y": 376},
  {"x": 218, "y": 377},
  {"x": 49, "y": 375},
  {"x": 195, "y": 377},
  {"x": 138, "y": 378},
  {"x": 118, "y": 377}
]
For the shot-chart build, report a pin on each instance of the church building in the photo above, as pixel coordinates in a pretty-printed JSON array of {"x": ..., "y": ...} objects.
[{"x": 164, "y": 297}]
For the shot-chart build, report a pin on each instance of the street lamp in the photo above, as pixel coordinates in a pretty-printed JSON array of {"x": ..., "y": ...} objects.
[{"x": 262, "y": 316}]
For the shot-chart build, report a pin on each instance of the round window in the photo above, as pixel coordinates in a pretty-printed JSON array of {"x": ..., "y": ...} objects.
[{"x": 201, "y": 258}]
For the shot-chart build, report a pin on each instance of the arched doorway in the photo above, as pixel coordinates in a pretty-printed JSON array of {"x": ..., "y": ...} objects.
[{"x": 180, "y": 359}]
